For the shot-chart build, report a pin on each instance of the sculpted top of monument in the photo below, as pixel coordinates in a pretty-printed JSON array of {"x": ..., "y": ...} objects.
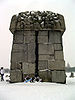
[{"x": 37, "y": 20}]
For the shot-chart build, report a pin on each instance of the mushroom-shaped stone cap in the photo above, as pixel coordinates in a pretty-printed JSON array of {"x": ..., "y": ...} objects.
[{"x": 37, "y": 20}]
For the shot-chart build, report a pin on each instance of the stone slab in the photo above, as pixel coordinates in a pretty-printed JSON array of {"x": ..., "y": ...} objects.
[
  {"x": 31, "y": 52},
  {"x": 59, "y": 55},
  {"x": 28, "y": 68},
  {"x": 55, "y": 37},
  {"x": 42, "y": 39},
  {"x": 16, "y": 76},
  {"x": 46, "y": 57},
  {"x": 29, "y": 39},
  {"x": 43, "y": 33},
  {"x": 56, "y": 65},
  {"x": 58, "y": 46},
  {"x": 29, "y": 33},
  {"x": 46, "y": 49},
  {"x": 18, "y": 57},
  {"x": 18, "y": 38},
  {"x": 42, "y": 64},
  {"x": 58, "y": 76}
]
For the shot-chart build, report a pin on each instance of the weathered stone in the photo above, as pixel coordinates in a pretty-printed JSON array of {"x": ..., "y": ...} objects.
[
  {"x": 46, "y": 57},
  {"x": 31, "y": 52},
  {"x": 42, "y": 39},
  {"x": 29, "y": 33},
  {"x": 43, "y": 33},
  {"x": 18, "y": 38},
  {"x": 42, "y": 64},
  {"x": 28, "y": 68},
  {"x": 16, "y": 76},
  {"x": 58, "y": 76},
  {"x": 46, "y": 49},
  {"x": 19, "y": 57},
  {"x": 29, "y": 39},
  {"x": 56, "y": 65},
  {"x": 58, "y": 47},
  {"x": 55, "y": 37},
  {"x": 59, "y": 55},
  {"x": 37, "y": 46},
  {"x": 45, "y": 75}
]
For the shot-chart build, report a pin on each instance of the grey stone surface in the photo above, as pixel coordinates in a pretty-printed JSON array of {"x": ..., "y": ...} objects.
[
  {"x": 42, "y": 39},
  {"x": 58, "y": 47},
  {"x": 42, "y": 64},
  {"x": 46, "y": 49},
  {"x": 15, "y": 76},
  {"x": 46, "y": 57},
  {"x": 28, "y": 68},
  {"x": 31, "y": 52},
  {"x": 59, "y": 55},
  {"x": 43, "y": 33},
  {"x": 56, "y": 65},
  {"x": 37, "y": 42},
  {"x": 29, "y": 39},
  {"x": 29, "y": 33},
  {"x": 18, "y": 38},
  {"x": 55, "y": 37},
  {"x": 58, "y": 76}
]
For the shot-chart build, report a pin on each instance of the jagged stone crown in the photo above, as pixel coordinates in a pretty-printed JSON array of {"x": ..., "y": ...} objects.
[{"x": 37, "y": 20}]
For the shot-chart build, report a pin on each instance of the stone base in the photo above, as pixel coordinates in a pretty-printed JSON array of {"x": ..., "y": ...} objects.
[
  {"x": 59, "y": 77},
  {"x": 15, "y": 76}
]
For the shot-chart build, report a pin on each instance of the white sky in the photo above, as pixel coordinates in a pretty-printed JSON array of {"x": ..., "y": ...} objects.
[{"x": 10, "y": 7}]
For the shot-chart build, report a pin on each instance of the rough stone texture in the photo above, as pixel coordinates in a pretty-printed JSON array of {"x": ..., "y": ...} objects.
[
  {"x": 37, "y": 46},
  {"x": 59, "y": 55},
  {"x": 29, "y": 39},
  {"x": 46, "y": 57},
  {"x": 28, "y": 68},
  {"x": 46, "y": 49},
  {"x": 55, "y": 37},
  {"x": 31, "y": 52},
  {"x": 42, "y": 39},
  {"x": 16, "y": 76},
  {"x": 56, "y": 65},
  {"x": 45, "y": 75},
  {"x": 58, "y": 47},
  {"x": 42, "y": 64},
  {"x": 58, "y": 76},
  {"x": 18, "y": 38}
]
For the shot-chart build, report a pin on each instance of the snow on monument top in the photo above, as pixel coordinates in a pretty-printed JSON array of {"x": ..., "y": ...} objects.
[{"x": 37, "y": 20}]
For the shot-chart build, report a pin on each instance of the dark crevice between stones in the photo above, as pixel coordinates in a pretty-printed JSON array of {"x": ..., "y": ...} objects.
[{"x": 36, "y": 53}]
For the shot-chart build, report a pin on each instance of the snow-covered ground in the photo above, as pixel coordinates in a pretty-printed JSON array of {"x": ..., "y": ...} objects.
[{"x": 38, "y": 91}]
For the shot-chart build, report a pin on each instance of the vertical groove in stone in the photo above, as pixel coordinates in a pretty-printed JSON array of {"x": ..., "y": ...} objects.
[{"x": 36, "y": 53}]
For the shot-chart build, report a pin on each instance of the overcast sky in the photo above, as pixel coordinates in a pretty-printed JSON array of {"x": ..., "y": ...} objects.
[{"x": 10, "y": 7}]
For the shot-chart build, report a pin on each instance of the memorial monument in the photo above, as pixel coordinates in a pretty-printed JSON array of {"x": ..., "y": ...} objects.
[{"x": 37, "y": 48}]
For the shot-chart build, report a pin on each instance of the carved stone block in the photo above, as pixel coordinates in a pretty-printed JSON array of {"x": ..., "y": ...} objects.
[
  {"x": 42, "y": 39},
  {"x": 59, "y": 55},
  {"x": 18, "y": 38},
  {"x": 42, "y": 64},
  {"x": 46, "y": 49},
  {"x": 46, "y": 57},
  {"x": 29, "y": 33},
  {"x": 56, "y": 65},
  {"x": 28, "y": 68},
  {"x": 55, "y": 37},
  {"x": 58, "y": 47},
  {"x": 43, "y": 33},
  {"x": 31, "y": 52},
  {"x": 15, "y": 76},
  {"x": 58, "y": 76},
  {"x": 29, "y": 39}
]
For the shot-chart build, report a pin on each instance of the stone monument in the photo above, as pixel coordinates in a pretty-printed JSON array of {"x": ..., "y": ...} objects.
[{"x": 37, "y": 48}]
